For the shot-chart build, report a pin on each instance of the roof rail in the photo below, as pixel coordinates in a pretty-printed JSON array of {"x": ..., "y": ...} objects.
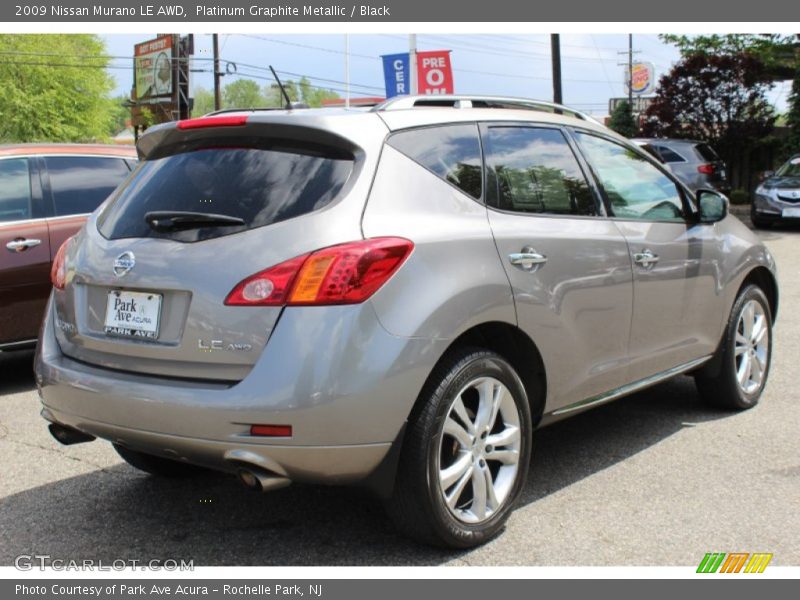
[
  {"x": 222, "y": 111},
  {"x": 461, "y": 101}
]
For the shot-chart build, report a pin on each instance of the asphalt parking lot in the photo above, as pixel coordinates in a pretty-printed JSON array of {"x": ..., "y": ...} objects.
[{"x": 654, "y": 479}]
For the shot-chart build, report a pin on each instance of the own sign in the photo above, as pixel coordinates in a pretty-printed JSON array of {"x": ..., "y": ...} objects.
[{"x": 434, "y": 73}]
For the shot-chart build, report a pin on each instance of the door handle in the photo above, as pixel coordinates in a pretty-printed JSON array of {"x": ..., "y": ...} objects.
[
  {"x": 528, "y": 259},
  {"x": 645, "y": 258},
  {"x": 21, "y": 245}
]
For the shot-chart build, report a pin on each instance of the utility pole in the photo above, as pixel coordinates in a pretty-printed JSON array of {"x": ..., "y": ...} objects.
[
  {"x": 555, "y": 53},
  {"x": 217, "y": 74},
  {"x": 412, "y": 62},
  {"x": 347, "y": 70},
  {"x": 630, "y": 71}
]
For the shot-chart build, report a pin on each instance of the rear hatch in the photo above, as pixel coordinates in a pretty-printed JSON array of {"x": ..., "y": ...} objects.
[
  {"x": 712, "y": 166},
  {"x": 209, "y": 207}
]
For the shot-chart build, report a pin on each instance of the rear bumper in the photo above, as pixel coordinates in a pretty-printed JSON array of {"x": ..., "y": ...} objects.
[{"x": 344, "y": 384}]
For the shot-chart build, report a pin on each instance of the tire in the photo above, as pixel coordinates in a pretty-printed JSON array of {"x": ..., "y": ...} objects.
[
  {"x": 724, "y": 387},
  {"x": 442, "y": 440},
  {"x": 156, "y": 465}
]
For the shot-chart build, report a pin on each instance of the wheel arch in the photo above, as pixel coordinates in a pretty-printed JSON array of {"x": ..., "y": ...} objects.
[{"x": 764, "y": 279}]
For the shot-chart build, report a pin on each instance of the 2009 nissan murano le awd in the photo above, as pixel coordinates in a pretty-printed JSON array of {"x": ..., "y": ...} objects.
[{"x": 395, "y": 298}]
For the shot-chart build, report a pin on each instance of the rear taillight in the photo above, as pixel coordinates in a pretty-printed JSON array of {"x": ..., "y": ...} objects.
[
  {"x": 58, "y": 271},
  {"x": 343, "y": 274},
  {"x": 706, "y": 169}
]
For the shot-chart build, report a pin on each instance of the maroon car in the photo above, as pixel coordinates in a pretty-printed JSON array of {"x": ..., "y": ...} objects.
[{"x": 46, "y": 193}]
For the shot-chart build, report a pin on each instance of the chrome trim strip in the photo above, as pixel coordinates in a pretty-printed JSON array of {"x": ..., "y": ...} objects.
[
  {"x": 12, "y": 345},
  {"x": 39, "y": 220},
  {"x": 632, "y": 387}
]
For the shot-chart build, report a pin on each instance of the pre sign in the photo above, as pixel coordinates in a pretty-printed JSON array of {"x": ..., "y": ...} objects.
[{"x": 434, "y": 72}]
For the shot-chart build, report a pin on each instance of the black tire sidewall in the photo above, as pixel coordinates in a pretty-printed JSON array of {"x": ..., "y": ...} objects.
[
  {"x": 481, "y": 364},
  {"x": 742, "y": 400}
]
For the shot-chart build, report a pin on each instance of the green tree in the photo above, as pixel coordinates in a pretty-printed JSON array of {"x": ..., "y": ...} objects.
[
  {"x": 120, "y": 114},
  {"x": 622, "y": 120},
  {"x": 275, "y": 98},
  {"x": 54, "y": 87},
  {"x": 243, "y": 93},
  {"x": 203, "y": 102},
  {"x": 793, "y": 117},
  {"x": 313, "y": 96}
]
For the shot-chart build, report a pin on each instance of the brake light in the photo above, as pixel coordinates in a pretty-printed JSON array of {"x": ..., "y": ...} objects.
[
  {"x": 58, "y": 271},
  {"x": 343, "y": 274},
  {"x": 706, "y": 169},
  {"x": 221, "y": 121}
]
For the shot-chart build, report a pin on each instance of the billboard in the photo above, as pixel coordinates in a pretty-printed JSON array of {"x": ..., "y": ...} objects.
[
  {"x": 642, "y": 77},
  {"x": 152, "y": 68},
  {"x": 434, "y": 73}
]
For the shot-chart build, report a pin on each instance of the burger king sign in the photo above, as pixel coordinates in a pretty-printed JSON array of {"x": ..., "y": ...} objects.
[{"x": 642, "y": 78}]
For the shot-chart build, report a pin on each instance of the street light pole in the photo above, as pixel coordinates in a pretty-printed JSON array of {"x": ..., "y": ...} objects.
[{"x": 412, "y": 62}]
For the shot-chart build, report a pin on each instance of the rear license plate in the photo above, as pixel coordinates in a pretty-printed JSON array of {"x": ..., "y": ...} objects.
[
  {"x": 133, "y": 314},
  {"x": 791, "y": 212}
]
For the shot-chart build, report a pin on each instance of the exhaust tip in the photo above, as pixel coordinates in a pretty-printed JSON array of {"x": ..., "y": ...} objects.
[
  {"x": 249, "y": 480},
  {"x": 68, "y": 435}
]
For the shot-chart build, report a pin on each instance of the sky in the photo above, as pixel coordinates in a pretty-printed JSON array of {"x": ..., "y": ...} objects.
[{"x": 507, "y": 65}]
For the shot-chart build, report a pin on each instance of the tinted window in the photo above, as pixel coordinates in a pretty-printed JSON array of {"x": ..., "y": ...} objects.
[
  {"x": 670, "y": 156},
  {"x": 15, "y": 190},
  {"x": 80, "y": 183},
  {"x": 534, "y": 170},
  {"x": 635, "y": 188},
  {"x": 707, "y": 152},
  {"x": 259, "y": 186},
  {"x": 452, "y": 152}
]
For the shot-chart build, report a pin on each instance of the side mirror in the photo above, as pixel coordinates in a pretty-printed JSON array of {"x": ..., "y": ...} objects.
[{"x": 711, "y": 205}]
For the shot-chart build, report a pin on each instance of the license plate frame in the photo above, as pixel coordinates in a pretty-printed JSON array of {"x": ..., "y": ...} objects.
[{"x": 133, "y": 315}]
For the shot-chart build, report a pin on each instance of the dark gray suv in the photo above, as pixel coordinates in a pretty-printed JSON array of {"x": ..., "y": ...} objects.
[{"x": 394, "y": 298}]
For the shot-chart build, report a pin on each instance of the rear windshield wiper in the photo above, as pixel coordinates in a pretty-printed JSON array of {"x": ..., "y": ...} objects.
[{"x": 171, "y": 220}]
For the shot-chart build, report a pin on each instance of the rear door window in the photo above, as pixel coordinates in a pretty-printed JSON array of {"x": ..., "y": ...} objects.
[
  {"x": 260, "y": 186},
  {"x": 453, "y": 152},
  {"x": 669, "y": 156},
  {"x": 533, "y": 170},
  {"x": 15, "y": 190},
  {"x": 79, "y": 184}
]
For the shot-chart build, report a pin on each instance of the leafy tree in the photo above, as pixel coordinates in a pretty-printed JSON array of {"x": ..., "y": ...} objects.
[
  {"x": 120, "y": 114},
  {"x": 719, "y": 99},
  {"x": 776, "y": 52},
  {"x": 243, "y": 93},
  {"x": 313, "y": 96},
  {"x": 275, "y": 98},
  {"x": 54, "y": 87},
  {"x": 203, "y": 102},
  {"x": 622, "y": 120},
  {"x": 793, "y": 117}
]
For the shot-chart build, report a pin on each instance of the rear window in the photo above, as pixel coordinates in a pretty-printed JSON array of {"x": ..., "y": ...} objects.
[
  {"x": 260, "y": 186},
  {"x": 707, "y": 152}
]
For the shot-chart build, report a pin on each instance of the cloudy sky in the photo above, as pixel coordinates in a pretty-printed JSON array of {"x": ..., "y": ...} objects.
[{"x": 514, "y": 65}]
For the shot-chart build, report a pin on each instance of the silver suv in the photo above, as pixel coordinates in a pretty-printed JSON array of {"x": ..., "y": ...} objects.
[{"x": 394, "y": 298}]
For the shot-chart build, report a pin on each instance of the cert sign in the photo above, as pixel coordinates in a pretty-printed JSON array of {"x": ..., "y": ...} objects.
[
  {"x": 642, "y": 78},
  {"x": 152, "y": 66}
]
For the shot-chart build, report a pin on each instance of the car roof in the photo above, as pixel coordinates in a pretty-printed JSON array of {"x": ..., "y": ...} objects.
[
  {"x": 50, "y": 148},
  {"x": 666, "y": 141}
]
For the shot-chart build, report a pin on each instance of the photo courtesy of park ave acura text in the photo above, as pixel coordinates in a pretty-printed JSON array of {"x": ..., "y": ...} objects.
[{"x": 365, "y": 294}]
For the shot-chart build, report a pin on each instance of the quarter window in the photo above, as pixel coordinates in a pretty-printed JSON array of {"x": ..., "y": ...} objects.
[
  {"x": 80, "y": 183},
  {"x": 635, "y": 188},
  {"x": 534, "y": 170},
  {"x": 670, "y": 156},
  {"x": 453, "y": 152},
  {"x": 15, "y": 189}
]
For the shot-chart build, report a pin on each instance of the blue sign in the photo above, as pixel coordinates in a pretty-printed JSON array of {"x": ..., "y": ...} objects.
[{"x": 396, "y": 73}]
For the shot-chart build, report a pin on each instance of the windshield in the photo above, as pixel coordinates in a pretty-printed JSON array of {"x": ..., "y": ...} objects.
[{"x": 791, "y": 168}]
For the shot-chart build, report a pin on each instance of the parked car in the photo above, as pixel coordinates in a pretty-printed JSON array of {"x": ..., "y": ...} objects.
[
  {"x": 394, "y": 298},
  {"x": 695, "y": 163},
  {"x": 778, "y": 196},
  {"x": 46, "y": 193}
]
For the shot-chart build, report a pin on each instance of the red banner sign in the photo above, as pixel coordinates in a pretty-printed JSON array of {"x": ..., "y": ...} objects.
[{"x": 434, "y": 72}]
